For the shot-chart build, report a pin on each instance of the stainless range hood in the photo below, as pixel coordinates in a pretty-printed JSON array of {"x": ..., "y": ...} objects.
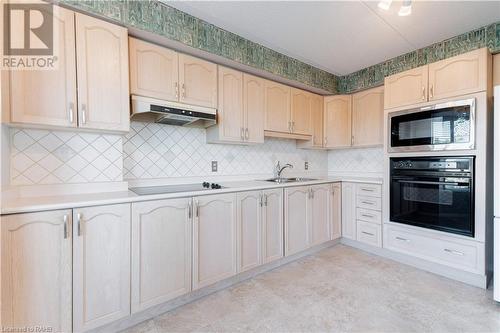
[{"x": 152, "y": 110}]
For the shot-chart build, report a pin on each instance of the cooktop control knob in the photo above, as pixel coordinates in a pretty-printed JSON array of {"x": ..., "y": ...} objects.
[{"x": 206, "y": 184}]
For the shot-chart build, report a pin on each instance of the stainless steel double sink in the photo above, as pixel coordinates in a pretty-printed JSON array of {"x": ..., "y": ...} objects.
[{"x": 288, "y": 180}]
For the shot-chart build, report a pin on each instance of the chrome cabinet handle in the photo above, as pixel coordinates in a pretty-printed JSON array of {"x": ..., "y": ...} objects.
[
  {"x": 367, "y": 233},
  {"x": 70, "y": 113},
  {"x": 261, "y": 200},
  {"x": 197, "y": 209},
  {"x": 368, "y": 202},
  {"x": 293, "y": 125},
  {"x": 265, "y": 200},
  {"x": 402, "y": 239},
  {"x": 79, "y": 222},
  {"x": 190, "y": 209},
  {"x": 242, "y": 133},
  {"x": 367, "y": 215},
  {"x": 367, "y": 189},
  {"x": 84, "y": 114},
  {"x": 326, "y": 140},
  {"x": 423, "y": 93},
  {"x": 458, "y": 253},
  {"x": 176, "y": 89},
  {"x": 65, "y": 219},
  {"x": 183, "y": 90},
  {"x": 247, "y": 135},
  {"x": 431, "y": 91}
]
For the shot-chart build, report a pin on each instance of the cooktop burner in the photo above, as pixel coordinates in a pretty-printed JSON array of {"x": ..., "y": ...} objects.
[{"x": 149, "y": 190}]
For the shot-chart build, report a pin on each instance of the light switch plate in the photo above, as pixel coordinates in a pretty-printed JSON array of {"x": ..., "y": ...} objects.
[{"x": 214, "y": 166}]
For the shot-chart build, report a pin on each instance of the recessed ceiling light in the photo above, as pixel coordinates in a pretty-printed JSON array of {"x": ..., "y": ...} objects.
[
  {"x": 405, "y": 9},
  {"x": 384, "y": 4}
]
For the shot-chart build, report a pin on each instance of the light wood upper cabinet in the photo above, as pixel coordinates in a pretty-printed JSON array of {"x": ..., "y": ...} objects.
[
  {"x": 406, "y": 88},
  {"x": 319, "y": 213},
  {"x": 272, "y": 225},
  {"x": 198, "y": 81},
  {"x": 459, "y": 75},
  {"x": 337, "y": 121},
  {"x": 336, "y": 211},
  {"x": 297, "y": 233},
  {"x": 161, "y": 251},
  {"x": 277, "y": 107},
  {"x": 496, "y": 69},
  {"x": 300, "y": 116},
  {"x": 48, "y": 97},
  {"x": 36, "y": 270},
  {"x": 367, "y": 117},
  {"x": 230, "y": 113},
  {"x": 349, "y": 210},
  {"x": 101, "y": 265},
  {"x": 249, "y": 230},
  {"x": 154, "y": 70},
  {"x": 253, "y": 107},
  {"x": 214, "y": 239},
  {"x": 103, "y": 79}
]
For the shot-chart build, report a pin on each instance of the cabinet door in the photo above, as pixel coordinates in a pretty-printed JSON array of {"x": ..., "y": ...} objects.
[
  {"x": 301, "y": 112},
  {"x": 230, "y": 112},
  {"x": 253, "y": 106},
  {"x": 161, "y": 251},
  {"x": 316, "y": 102},
  {"x": 198, "y": 80},
  {"x": 367, "y": 117},
  {"x": 349, "y": 210},
  {"x": 277, "y": 107},
  {"x": 101, "y": 265},
  {"x": 336, "y": 211},
  {"x": 296, "y": 219},
  {"x": 272, "y": 225},
  {"x": 249, "y": 230},
  {"x": 320, "y": 206},
  {"x": 48, "y": 97},
  {"x": 36, "y": 270},
  {"x": 214, "y": 239},
  {"x": 102, "y": 63},
  {"x": 406, "y": 88},
  {"x": 154, "y": 70},
  {"x": 459, "y": 75},
  {"x": 338, "y": 121}
]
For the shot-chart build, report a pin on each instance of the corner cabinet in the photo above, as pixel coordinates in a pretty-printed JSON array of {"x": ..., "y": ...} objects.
[
  {"x": 37, "y": 270},
  {"x": 101, "y": 265},
  {"x": 198, "y": 81},
  {"x": 161, "y": 251},
  {"x": 367, "y": 118},
  {"x": 337, "y": 121}
]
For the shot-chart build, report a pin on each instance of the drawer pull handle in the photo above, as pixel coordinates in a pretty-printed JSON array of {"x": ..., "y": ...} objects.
[
  {"x": 458, "y": 253},
  {"x": 367, "y": 189},
  {"x": 368, "y": 202},
  {"x": 402, "y": 239},
  {"x": 366, "y": 215},
  {"x": 367, "y": 233}
]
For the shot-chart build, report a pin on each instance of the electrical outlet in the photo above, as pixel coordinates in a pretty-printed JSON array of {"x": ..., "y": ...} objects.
[
  {"x": 214, "y": 166},
  {"x": 306, "y": 165}
]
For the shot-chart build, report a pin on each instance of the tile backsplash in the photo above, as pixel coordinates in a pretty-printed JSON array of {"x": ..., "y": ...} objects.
[
  {"x": 163, "y": 151},
  {"x": 366, "y": 161}
]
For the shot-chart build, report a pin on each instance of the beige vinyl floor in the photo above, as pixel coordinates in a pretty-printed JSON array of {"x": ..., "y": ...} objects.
[{"x": 340, "y": 289}]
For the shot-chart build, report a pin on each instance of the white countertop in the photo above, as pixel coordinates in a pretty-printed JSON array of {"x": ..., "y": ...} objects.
[{"x": 35, "y": 204}]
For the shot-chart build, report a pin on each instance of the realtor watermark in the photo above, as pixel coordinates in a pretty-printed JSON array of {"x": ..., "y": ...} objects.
[
  {"x": 27, "y": 329},
  {"x": 29, "y": 36}
]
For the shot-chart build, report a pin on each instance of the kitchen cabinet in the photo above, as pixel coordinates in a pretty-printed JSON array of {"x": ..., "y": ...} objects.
[
  {"x": 253, "y": 108},
  {"x": 161, "y": 251},
  {"x": 349, "y": 210},
  {"x": 406, "y": 88},
  {"x": 36, "y": 270},
  {"x": 277, "y": 107},
  {"x": 198, "y": 81},
  {"x": 154, "y": 70},
  {"x": 103, "y": 78},
  {"x": 214, "y": 239},
  {"x": 297, "y": 233},
  {"x": 320, "y": 196},
  {"x": 316, "y": 107},
  {"x": 249, "y": 230},
  {"x": 48, "y": 97},
  {"x": 300, "y": 112},
  {"x": 272, "y": 225},
  {"x": 336, "y": 211},
  {"x": 101, "y": 265},
  {"x": 367, "y": 117},
  {"x": 460, "y": 75},
  {"x": 337, "y": 121}
]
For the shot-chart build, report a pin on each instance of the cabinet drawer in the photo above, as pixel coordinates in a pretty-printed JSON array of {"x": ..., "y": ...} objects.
[
  {"x": 368, "y": 202},
  {"x": 369, "y": 233},
  {"x": 369, "y": 215},
  {"x": 371, "y": 190},
  {"x": 460, "y": 254}
]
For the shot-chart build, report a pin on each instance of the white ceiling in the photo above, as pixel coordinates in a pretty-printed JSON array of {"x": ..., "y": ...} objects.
[{"x": 342, "y": 37}]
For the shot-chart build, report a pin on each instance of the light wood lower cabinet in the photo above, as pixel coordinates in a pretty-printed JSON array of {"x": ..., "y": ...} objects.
[
  {"x": 249, "y": 230},
  {"x": 36, "y": 270},
  {"x": 214, "y": 239},
  {"x": 349, "y": 210},
  {"x": 319, "y": 213},
  {"x": 336, "y": 211},
  {"x": 161, "y": 251},
  {"x": 272, "y": 221},
  {"x": 101, "y": 265}
]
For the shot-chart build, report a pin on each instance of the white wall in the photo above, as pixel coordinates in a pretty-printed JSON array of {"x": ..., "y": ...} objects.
[{"x": 356, "y": 162}]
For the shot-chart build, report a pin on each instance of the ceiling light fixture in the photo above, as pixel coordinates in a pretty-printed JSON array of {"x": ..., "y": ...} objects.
[
  {"x": 384, "y": 4},
  {"x": 405, "y": 9}
]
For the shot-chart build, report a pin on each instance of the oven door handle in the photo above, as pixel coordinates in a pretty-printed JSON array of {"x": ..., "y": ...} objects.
[{"x": 427, "y": 182}]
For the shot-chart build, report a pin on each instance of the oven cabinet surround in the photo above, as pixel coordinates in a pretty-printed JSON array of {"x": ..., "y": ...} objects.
[
  {"x": 240, "y": 116},
  {"x": 161, "y": 73},
  {"x": 94, "y": 57},
  {"x": 460, "y": 75},
  {"x": 37, "y": 270},
  {"x": 161, "y": 251},
  {"x": 309, "y": 218}
]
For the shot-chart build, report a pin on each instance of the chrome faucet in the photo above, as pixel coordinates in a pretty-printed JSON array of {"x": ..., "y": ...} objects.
[{"x": 279, "y": 169}]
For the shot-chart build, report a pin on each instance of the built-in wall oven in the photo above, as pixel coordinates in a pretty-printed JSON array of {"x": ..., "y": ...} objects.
[
  {"x": 444, "y": 126},
  {"x": 433, "y": 192}
]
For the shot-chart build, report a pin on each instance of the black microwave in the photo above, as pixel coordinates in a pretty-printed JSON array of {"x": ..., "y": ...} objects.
[{"x": 445, "y": 126}]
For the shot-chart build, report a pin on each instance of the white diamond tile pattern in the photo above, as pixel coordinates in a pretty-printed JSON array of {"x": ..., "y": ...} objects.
[
  {"x": 369, "y": 160},
  {"x": 163, "y": 151},
  {"x": 56, "y": 157}
]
